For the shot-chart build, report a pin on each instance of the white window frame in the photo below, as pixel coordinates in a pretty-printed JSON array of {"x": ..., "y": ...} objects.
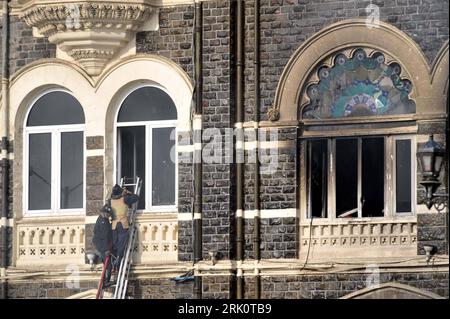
[
  {"x": 389, "y": 177},
  {"x": 413, "y": 175},
  {"x": 149, "y": 126},
  {"x": 55, "y": 131}
]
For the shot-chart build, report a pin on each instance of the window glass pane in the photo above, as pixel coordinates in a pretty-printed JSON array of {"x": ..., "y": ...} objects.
[
  {"x": 403, "y": 176},
  {"x": 147, "y": 104},
  {"x": 346, "y": 177},
  {"x": 317, "y": 179},
  {"x": 71, "y": 170},
  {"x": 133, "y": 156},
  {"x": 163, "y": 168},
  {"x": 372, "y": 177},
  {"x": 39, "y": 192},
  {"x": 56, "y": 108}
]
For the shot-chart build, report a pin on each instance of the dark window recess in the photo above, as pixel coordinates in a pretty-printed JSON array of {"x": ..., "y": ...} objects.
[
  {"x": 71, "y": 170},
  {"x": 347, "y": 177},
  {"x": 147, "y": 104},
  {"x": 403, "y": 176},
  {"x": 317, "y": 179},
  {"x": 56, "y": 108},
  {"x": 372, "y": 200},
  {"x": 163, "y": 167},
  {"x": 40, "y": 173},
  {"x": 132, "y": 156}
]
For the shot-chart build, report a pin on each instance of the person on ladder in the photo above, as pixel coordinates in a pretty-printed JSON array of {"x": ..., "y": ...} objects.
[
  {"x": 102, "y": 240},
  {"x": 121, "y": 201}
]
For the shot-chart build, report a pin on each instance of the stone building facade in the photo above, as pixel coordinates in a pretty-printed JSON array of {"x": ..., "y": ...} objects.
[{"x": 339, "y": 80}]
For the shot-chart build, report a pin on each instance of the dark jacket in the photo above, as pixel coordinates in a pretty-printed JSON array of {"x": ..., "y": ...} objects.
[{"x": 102, "y": 235}]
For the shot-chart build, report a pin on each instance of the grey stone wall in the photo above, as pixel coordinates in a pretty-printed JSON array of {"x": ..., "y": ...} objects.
[
  {"x": 173, "y": 39},
  {"x": 217, "y": 287},
  {"x": 218, "y": 178},
  {"x": 320, "y": 286},
  {"x": 160, "y": 288},
  {"x": 279, "y": 238},
  {"x": 432, "y": 229},
  {"x": 24, "y": 48},
  {"x": 45, "y": 289},
  {"x": 333, "y": 286}
]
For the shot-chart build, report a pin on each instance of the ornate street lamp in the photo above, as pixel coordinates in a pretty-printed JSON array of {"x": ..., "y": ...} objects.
[{"x": 430, "y": 158}]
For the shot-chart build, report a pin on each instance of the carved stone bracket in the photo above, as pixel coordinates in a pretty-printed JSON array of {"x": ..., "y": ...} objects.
[{"x": 91, "y": 32}]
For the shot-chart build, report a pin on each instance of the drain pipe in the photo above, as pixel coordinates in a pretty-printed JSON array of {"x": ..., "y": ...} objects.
[
  {"x": 4, "y": 150},
  {"x": 197, "y": 140},
  {"x": 240, "y": 148},
  {"x": 257, "y": 217}
]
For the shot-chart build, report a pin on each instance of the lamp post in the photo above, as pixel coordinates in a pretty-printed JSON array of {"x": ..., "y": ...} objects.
[{"x": 430, "y": 159}]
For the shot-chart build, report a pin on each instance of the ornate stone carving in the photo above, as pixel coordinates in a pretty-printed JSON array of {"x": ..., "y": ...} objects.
[
  {"x": 51, "y": 243},
  {"x": 157, "y": 239},
  {"x": 91, "y": 32},
  {"x": 273, "y": 114},
  {"x": 363, "y": 238}
]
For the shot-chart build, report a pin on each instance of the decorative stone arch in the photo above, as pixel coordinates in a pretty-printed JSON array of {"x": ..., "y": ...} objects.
[
  {"x": 349, "y": 34},
  {"x": 25, "y": 87},
  {"x": 439, "y": 71},
  {"x": 141, "y": 70},
  {"x": 98, "y": 96},
  {"x": 392, "y": 290}
]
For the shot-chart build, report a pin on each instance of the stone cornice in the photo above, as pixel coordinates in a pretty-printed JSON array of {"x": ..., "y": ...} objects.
[
  {"x": 51, "y": 18},
  {"x": 90, "y": 32}
]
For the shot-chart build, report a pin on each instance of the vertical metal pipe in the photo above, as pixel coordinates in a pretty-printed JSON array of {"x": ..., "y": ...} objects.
[
  {"x": 197, "y": 220},
  {"x": 257, "y": 222},
  {"x": 447, "y": 141},
  {"x": 239, "y": 165},
  {"x": 4, "y": 148}
]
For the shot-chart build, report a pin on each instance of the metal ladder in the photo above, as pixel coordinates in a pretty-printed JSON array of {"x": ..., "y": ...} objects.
[{"x": 125, "y": 264}]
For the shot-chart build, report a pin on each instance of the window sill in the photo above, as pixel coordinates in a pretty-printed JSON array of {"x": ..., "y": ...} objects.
[{"x": 365, "y": 220}]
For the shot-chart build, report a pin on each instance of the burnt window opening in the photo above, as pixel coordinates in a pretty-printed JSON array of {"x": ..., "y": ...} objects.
[{"x": 348, "y": 177}]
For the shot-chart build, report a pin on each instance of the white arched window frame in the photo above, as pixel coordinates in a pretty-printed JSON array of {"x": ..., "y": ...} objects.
[
  {"x": 149, "y": 127},
  {"x": 55, "y": 133}
]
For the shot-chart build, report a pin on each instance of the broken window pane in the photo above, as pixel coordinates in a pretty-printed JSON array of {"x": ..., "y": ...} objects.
[
  {"x": 317, "y": 167},
  {"x": 132, "y": 154},
  {"x": 372, "y": 177},
  {"x": 347, "y": 177},
  {"x": 403, "y": 176}
]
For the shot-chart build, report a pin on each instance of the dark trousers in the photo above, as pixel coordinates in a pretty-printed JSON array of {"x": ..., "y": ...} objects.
[
  {"x": 108, "y": 268},
  {"x": 120, "y": 238}
]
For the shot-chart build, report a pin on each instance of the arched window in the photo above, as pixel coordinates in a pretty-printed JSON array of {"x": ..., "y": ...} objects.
[
  {"x": 358, "y": 137},
  {"x": 146, "y": 146},
  {"x": 54, "y": 155}
]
